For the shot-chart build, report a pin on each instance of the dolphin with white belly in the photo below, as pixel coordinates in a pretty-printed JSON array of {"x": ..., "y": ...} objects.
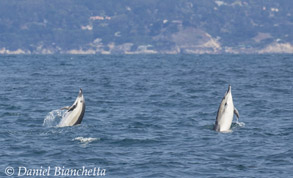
[
  {"x": 74, "y": 113},
  {"x": 226, "y": 113}
]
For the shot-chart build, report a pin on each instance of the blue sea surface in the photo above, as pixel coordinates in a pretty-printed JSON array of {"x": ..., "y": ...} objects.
[{"x": 148, "y": 115}]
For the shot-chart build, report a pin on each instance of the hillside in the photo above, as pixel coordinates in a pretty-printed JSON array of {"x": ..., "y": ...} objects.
[{"x": 149, "y": 26}]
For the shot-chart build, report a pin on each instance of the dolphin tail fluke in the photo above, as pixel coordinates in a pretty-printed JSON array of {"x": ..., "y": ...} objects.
[{"x": 236, "y": 112}]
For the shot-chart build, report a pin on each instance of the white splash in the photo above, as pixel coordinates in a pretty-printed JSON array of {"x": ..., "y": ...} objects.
[
  {"x": 85, "y": 140},
  {"x": 53, "y": 118},
  {"x": 240, "y": 124}
]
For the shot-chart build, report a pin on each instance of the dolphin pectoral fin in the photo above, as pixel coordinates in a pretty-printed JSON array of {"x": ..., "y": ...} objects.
[
  {"x": 236, "y": 112},
  {"x": 72, "y": 107},
  {"x": 66, "y": 107}
]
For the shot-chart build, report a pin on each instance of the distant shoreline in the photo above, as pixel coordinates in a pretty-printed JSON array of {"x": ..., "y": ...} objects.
[{"x": 279, "y": 49}]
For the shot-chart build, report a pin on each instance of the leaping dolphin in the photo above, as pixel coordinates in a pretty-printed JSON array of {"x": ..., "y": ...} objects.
[
  {"x": 74, "y": 113},
  {"x": 226, "y": 112}
]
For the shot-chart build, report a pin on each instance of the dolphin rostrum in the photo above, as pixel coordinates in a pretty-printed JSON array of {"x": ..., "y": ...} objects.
[
  {"x": 74, "y": 113},
  {"x": 226, "y": 112}
]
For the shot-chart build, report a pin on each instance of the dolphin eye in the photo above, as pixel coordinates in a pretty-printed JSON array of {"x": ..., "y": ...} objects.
[
  {"x": 225, "y": 104},
  {"x": 80, "y": 101}
]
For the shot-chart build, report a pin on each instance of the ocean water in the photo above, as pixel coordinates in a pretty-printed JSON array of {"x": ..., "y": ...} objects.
[{"x": 146, "y": 115}]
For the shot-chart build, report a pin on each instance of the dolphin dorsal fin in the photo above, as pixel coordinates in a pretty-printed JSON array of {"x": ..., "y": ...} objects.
[{"x": 236, "y": 112}]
